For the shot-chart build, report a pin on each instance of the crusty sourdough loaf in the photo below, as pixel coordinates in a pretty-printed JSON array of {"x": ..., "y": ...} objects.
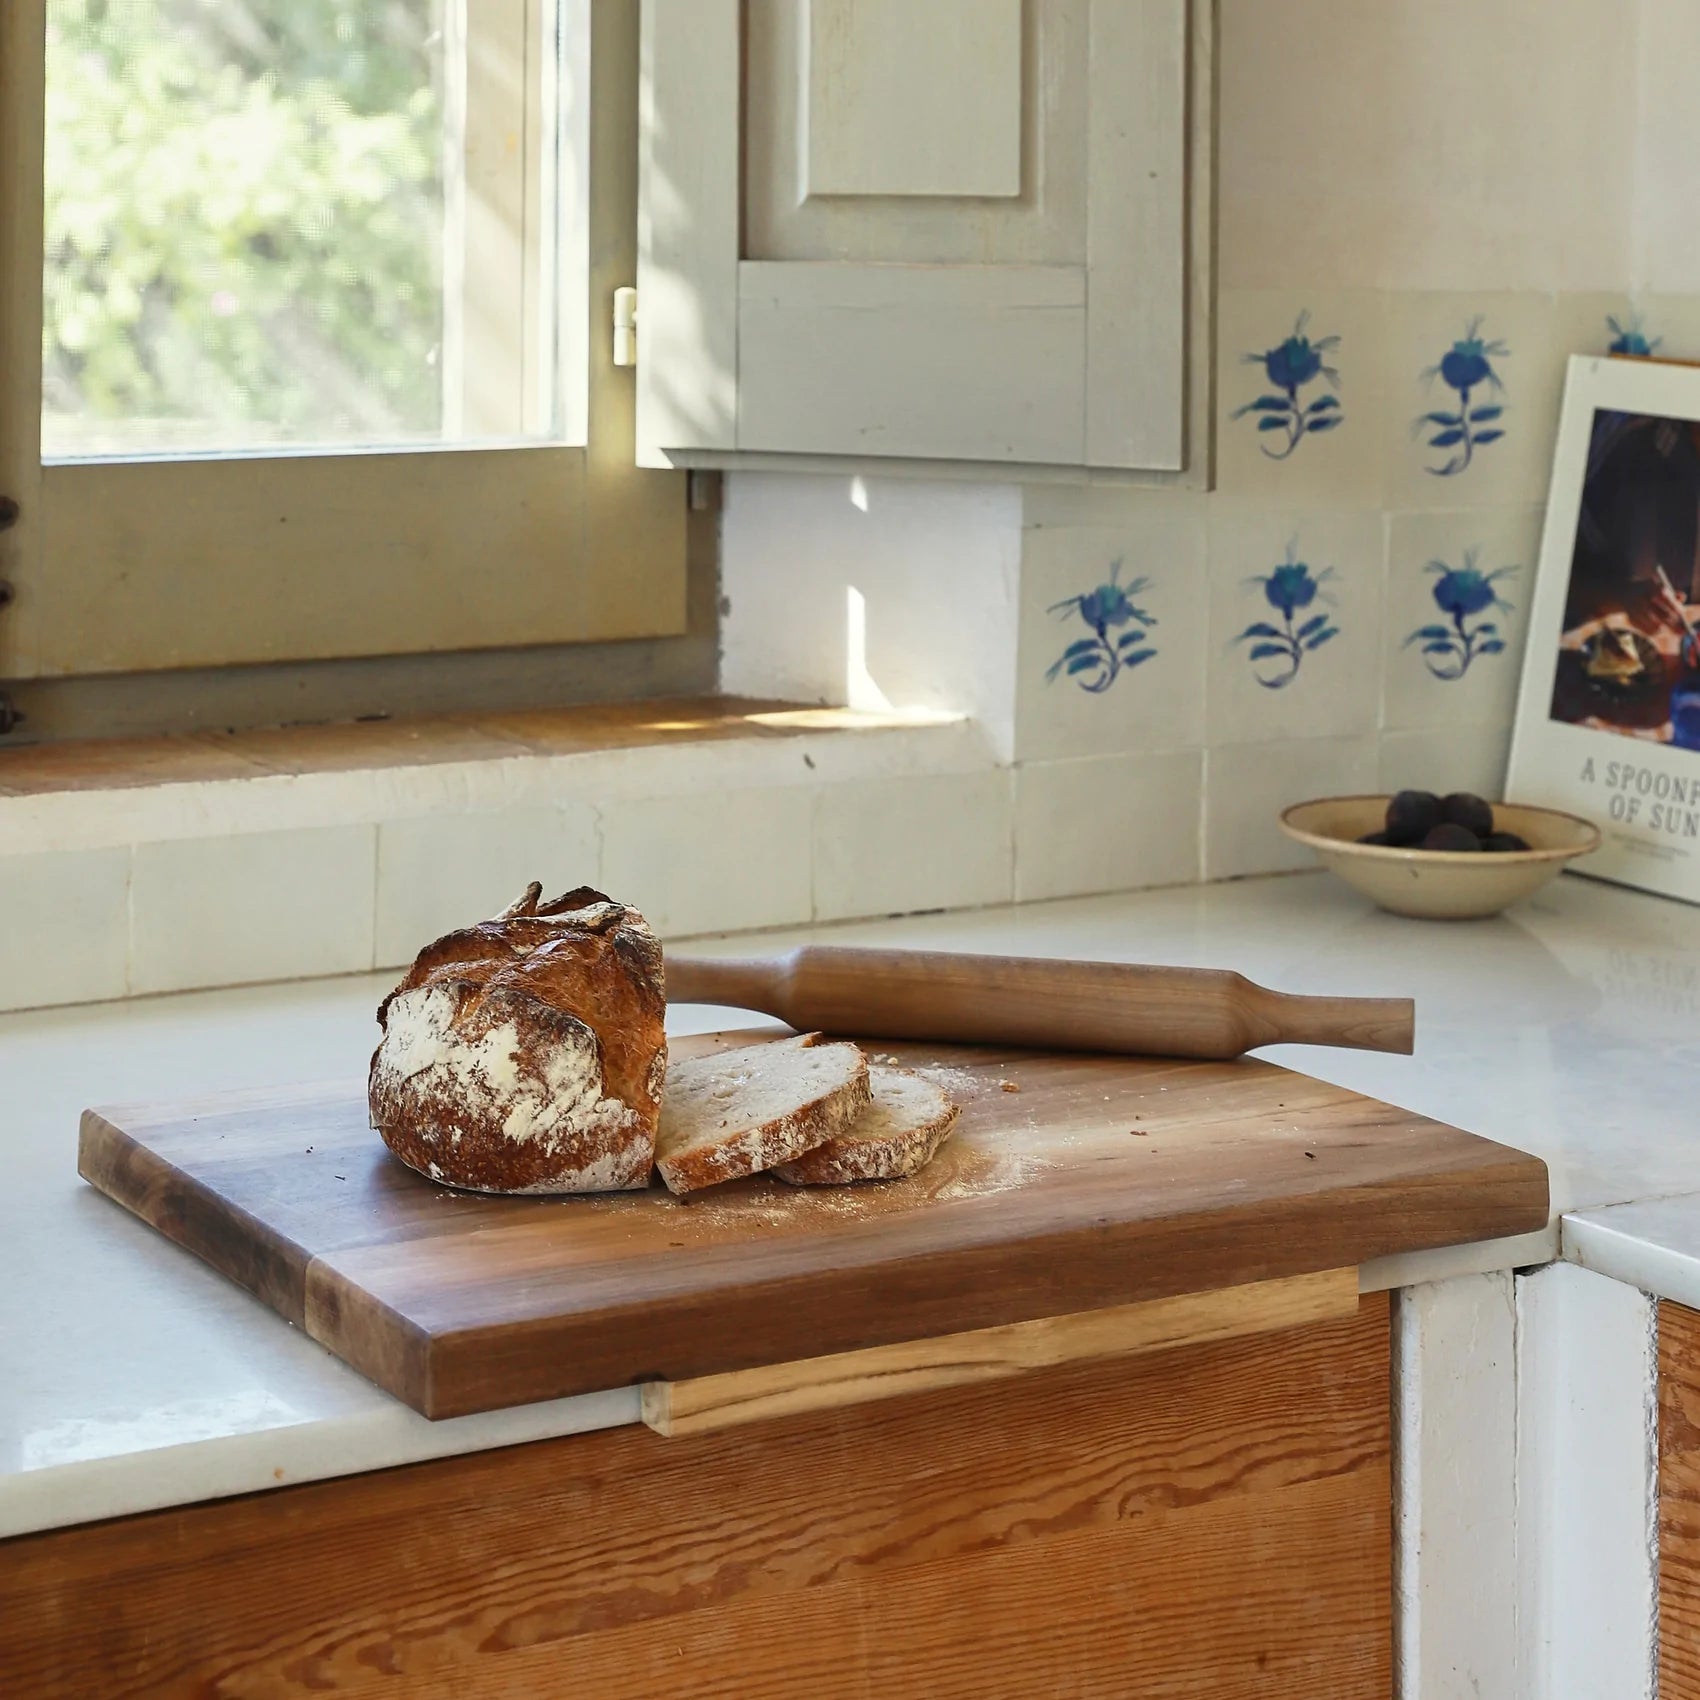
[
  {"x": 526, "y": 1054},
  {"x": 900, "y": 1131},
  {"x": 742, "y": 1111}
]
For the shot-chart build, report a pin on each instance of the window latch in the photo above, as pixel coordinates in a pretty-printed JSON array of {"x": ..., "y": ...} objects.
[{"x": 625, "y": 326}]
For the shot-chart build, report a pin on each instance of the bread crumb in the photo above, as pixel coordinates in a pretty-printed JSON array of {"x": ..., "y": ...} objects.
[{"x": 1009, "y": 1085}]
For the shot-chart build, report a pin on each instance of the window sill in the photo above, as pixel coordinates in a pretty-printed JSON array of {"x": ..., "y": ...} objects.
[{"x": 209, "y": 859}]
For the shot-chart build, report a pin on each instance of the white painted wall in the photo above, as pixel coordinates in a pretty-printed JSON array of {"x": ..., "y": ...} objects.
[{"x": 873, "y": 592}]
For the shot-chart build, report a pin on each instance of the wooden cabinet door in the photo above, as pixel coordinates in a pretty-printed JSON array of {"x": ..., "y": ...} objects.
[{"x": 948, "y": 230}]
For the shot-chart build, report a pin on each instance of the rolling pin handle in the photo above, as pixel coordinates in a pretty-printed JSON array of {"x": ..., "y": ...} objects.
[{"x": 1362, "y": 1024}]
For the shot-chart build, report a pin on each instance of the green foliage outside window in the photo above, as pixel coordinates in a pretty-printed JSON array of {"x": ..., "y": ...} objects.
[{"x": 244, "y": 220}]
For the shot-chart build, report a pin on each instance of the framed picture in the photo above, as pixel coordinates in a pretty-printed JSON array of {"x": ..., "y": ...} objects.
[{"x": 1608, "y": 712}]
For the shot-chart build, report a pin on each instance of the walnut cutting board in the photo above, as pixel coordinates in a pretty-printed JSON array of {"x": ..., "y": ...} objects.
[{"x": 1073, "y": 1182}]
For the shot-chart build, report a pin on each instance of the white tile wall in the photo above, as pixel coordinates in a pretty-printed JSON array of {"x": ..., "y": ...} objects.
[
  {"x": 444, "y": 871},
  {"x": 891, "y": 846},
  {"x": 711, "y": 862},
  {"x": 262, "y": 906},
  {"x": 64, "y": 927},
  {"x": 1247, "y": 785},
  {"x": 1107, "y": 823},
  {"x": 1456, "y": 758}
]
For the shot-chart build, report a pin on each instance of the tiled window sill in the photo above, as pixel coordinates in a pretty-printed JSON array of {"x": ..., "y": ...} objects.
[{"x": 213, "y": 859}]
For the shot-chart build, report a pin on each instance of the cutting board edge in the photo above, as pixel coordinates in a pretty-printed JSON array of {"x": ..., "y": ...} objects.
[
  {"x": 345, "y": 1319},
  {"x": 460, "y": 1358},
  {"x": 126, "y": 1171}
]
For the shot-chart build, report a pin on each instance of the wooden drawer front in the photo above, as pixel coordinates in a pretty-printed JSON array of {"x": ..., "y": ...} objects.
[
  {"x": 1210, "y": 1521},
  {"x": 1679, "y": 1502}
]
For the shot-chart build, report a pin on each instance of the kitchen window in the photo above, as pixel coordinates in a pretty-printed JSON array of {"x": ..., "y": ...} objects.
[{"x": 305, "y": 351}]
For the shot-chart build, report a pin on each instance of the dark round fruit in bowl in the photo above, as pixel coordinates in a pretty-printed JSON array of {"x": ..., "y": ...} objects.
[
  {"x": 1466, "y": 809},
  {"x": 1504, "y": 841},
  {"x": 1374, "y": 838},
  {"x": 1450, "y": 836},
  {"x": 1411, "y": 816}
]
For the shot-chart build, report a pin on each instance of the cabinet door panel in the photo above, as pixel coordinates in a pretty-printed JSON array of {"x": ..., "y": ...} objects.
[
  {"x": 988, "y": 358},
  {"x": 957, "y": 231},
  {"x": 944, "y": 76}
]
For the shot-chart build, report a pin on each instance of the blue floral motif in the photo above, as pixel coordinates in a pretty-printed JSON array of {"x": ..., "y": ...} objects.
[
  {"x": 1462, "y": 594},
  {"x": 1629, "y": 337},
  {"x": 1290, "y": 366},
  {"x": 1096, "y": 662},
  {"x": 1465, "y": 368},
  {"x": 1290, "y": 589}
]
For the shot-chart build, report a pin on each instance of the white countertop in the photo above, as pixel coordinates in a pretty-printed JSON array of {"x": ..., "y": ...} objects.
[{"x": 132, "y": 1377}]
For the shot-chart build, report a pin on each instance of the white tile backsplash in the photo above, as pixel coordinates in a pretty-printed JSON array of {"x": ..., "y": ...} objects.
[
  {"x": 891, "y": 846},
  {"x": 1247, "y": 785},
  {"x": 64, "y": 927},
  {"x": 1107, "y": 823},
  {"x": 262, "y": 906},
  {"x": 446, "y": 871},
  {"x": 1457, "y": 758},
  {"x": 1145, "y": 580},
  {"x": 704, "y": 863}
]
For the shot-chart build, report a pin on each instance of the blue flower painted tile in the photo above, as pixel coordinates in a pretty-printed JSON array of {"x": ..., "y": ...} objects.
[
  {"x": 1121, "y": 633},
  {"x": 1284, "y": 414},
  {"x": 1301, "y": 385},
  {"x": 1456, "y": 615},
  {"x": 1277, "y": 651},
  {"x": 1477, "y": 380},
  {"x": 1295, "y": 644},
  {"x": 1112, "y": 635},
  {"x": 1629, "y": 335},
  {"x": 1455, "y": 434},
  {"x": 1466, "y": 596}
]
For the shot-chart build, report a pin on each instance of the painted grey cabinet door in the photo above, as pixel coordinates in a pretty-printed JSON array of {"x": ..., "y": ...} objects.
[{"x": 941, "y": 230}]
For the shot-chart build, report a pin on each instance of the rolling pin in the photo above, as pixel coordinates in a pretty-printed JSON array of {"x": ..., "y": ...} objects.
[{"x": 1034, "y": 1001}]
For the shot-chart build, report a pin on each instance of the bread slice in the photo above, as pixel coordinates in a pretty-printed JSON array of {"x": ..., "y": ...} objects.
[
  {"x": 899, "y": 1132},
  {"x": 743, "y": 1111}
]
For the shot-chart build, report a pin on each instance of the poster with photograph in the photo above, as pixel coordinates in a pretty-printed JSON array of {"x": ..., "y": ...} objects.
[{"x": 1608, "y": 713}]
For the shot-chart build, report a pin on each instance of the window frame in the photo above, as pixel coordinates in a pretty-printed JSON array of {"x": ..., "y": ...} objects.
[{"x": 142, "y": 566}]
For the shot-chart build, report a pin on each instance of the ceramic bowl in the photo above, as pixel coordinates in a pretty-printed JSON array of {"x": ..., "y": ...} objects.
[{"x": 1438, "y": 885}]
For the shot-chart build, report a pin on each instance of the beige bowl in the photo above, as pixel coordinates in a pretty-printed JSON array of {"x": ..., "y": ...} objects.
[{"x": 1438, "y": 885}]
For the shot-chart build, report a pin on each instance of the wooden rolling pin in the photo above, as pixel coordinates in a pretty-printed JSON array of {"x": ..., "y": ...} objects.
[{"x": 1033, "y": 1001}]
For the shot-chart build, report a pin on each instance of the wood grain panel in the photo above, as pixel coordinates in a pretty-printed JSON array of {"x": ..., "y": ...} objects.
[
  {"x": 1679, "y": 1502},
  {"x": 1100, "y": 1181},
  {"x": 1209, "y": 1522},
  {"x": 994, "y": 1354}
]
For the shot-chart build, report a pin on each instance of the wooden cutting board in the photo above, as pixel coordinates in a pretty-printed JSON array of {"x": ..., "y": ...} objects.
[{"x": 1073, "y": 1183}]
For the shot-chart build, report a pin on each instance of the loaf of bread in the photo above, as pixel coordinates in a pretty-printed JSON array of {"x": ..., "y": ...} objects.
[
  {"x": 526, "y": 1054},
  {"x": 899, "y": 1132},
  {"x": 739, "y": 1112}
]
